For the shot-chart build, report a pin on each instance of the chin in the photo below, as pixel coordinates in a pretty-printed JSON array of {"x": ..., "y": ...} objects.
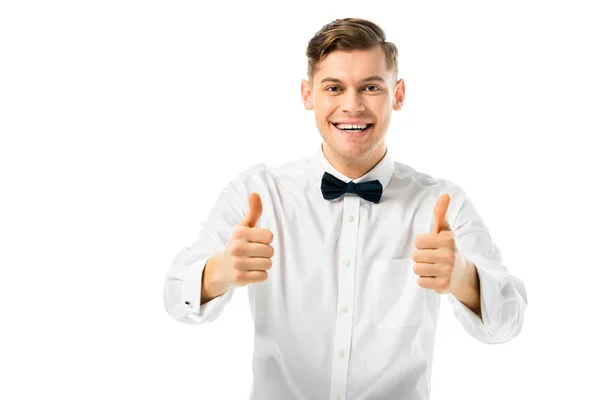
[{"x": 354, "y": 153}]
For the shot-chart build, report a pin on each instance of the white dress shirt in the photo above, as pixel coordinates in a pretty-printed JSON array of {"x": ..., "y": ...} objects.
[{"x": 341, "y": 316}]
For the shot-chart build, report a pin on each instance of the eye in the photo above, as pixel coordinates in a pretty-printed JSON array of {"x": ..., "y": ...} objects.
[
  {"x": 332, "y": 87},
  {"x": 372, "y": 86}
]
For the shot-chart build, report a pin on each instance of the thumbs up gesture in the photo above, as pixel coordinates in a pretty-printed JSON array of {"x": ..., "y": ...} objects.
[
  {"x": 438, "y": 262},
  {"x": 247, "y": 255}
]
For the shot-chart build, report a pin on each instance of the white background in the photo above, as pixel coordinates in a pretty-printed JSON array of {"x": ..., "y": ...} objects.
[{"x": 121, "y": 120}]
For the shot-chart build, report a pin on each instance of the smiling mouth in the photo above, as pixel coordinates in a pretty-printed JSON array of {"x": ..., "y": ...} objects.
[{"x": 351, "y": 130}]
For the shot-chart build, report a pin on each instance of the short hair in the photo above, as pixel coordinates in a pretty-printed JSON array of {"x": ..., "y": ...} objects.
[{"x": 349, "y": 34}]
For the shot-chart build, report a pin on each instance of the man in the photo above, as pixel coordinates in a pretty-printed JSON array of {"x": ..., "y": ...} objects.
[{"x": 347, "y": 254}]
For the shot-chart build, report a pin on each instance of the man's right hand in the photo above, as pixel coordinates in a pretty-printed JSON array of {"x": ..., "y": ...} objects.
[{"x": 247, "y": 255}]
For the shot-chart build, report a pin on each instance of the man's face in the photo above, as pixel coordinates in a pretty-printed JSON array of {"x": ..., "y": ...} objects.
[{"x": 353, "y": 87}]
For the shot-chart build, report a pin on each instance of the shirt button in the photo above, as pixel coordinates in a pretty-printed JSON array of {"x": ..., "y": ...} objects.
[
  {"x": 341, "y": 354},
  {"x": 189, "y": 304},
  {"x": 346, "y": 263},
  {"x": 351, "y": 218},
  {"x": 345, "y": 309}
]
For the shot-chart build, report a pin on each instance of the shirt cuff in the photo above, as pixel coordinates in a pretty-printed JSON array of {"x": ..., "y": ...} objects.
[
  {"x": 191, "y": 294},
  {"x": 490, "y": 285}
]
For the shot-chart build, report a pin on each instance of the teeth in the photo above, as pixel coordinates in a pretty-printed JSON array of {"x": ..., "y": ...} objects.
[{"x": 348, "y": 126}]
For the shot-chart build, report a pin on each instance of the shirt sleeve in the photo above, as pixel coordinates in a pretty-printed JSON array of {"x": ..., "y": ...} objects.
[
  {"x": 503, "y": 296},
  {"x": 182, "y": 289}
]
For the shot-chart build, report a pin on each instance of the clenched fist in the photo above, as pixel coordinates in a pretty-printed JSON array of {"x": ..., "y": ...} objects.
[
  {"x": 247, "y": 255},
  {"x": 439, "y": 263}
]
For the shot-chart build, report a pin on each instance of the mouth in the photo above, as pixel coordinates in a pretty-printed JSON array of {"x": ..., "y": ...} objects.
[{"x": 352, "y": 131}]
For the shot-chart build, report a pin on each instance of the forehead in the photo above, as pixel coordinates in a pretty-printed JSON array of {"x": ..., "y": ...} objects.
[{"x": 353, "y": 65}]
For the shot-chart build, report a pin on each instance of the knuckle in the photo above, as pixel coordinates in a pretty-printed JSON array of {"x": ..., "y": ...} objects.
[
  {"x": 416, "y": 269},
  {"x": 238, "y": 276},
  {"x": 238, "y": 231},
  {"x": 237, "y": 247},
  {"x": 449, "y": 257},
  {"x": 236, "y": 263},
  {"x": 444, "y": 285},
  {"x": 418, "y": 241}
]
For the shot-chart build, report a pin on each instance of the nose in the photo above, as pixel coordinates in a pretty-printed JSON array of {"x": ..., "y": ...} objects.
[{"x": 352, "y": 102}]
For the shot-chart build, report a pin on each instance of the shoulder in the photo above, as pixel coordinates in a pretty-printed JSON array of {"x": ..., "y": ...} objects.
[
  {"x": 424, "y": 182},
  {"x": 263, "y": 173}
]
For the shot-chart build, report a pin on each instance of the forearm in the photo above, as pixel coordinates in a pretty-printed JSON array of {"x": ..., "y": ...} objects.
[{"x": 468, "y": 291}]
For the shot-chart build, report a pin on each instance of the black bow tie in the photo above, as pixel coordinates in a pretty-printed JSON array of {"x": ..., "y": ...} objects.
[{"x": 332, "y": 188}]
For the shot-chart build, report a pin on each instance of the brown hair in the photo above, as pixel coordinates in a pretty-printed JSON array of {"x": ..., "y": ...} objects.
[{"x": 349, "y": 34}]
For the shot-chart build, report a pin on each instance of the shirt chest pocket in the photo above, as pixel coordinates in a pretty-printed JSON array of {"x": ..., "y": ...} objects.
[{"x": 398, "y": 300}]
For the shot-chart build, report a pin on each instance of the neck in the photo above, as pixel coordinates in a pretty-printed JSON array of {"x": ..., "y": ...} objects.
[{"x": 357, "y": 167}]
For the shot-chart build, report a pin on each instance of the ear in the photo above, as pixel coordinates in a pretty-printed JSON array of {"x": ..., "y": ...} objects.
[
  {"x": 399, "y": 95},
  {"x": 307, "y": 95}
]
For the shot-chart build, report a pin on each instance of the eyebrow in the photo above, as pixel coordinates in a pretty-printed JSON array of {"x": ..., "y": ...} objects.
[{"x": 370, "y": 78}]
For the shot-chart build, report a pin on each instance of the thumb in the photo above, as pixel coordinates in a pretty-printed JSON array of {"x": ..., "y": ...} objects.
[
  {"x": 440, "y": 222},
  {"x": 254, "y": 211}
]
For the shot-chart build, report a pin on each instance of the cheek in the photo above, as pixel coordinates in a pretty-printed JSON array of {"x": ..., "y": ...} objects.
[
  {"x": 383, "y": 114},
  {"x": 324, "y": 106}
]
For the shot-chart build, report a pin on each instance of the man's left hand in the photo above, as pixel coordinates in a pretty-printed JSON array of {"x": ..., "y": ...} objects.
[{"x": 438, "y": 262}]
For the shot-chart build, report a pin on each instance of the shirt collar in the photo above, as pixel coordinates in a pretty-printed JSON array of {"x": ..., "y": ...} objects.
[{"x": 382, "y": 171}]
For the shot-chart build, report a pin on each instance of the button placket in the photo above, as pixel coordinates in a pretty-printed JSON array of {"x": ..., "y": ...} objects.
[{"x": 346, "y": 276}]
